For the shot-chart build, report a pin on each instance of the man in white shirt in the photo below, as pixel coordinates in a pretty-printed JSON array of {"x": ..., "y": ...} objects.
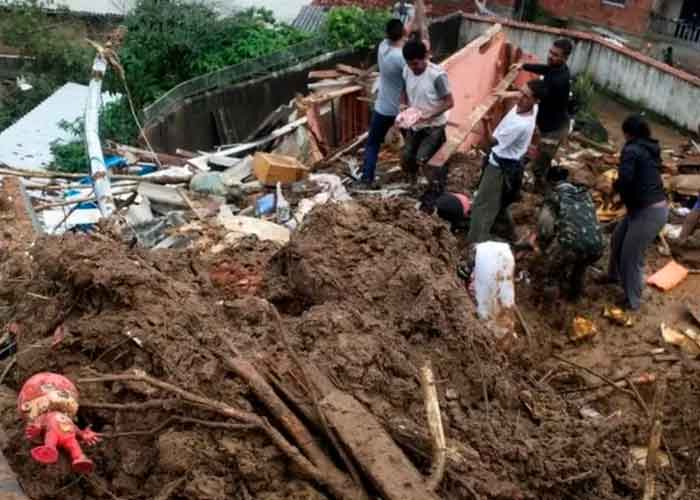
[
  {"x": 502, "y": 175},
  {"x": 428, "y": 91}
]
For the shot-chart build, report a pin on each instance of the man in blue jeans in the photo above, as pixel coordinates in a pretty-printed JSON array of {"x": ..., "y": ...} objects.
[{"x": 391, "y": 83}]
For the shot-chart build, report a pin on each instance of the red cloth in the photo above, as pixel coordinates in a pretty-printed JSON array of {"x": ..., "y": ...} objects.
[{"x": 465, "y": 201}]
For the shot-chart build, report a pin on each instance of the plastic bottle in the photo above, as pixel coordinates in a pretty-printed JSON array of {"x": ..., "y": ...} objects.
[{"x": 284, "y": 211}]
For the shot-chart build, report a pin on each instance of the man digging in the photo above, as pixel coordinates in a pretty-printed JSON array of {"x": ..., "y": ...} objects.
[{"x": 502, "y": 175}]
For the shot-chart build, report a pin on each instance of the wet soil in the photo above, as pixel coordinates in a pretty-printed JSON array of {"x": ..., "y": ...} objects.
[{"x": 366, "y": 293}]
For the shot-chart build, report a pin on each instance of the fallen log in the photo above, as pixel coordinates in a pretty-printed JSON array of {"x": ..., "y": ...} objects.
[{"x": 394, "y": 476}]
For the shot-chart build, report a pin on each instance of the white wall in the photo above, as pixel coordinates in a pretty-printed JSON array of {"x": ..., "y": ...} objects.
[{"x": 660, "y": 91}]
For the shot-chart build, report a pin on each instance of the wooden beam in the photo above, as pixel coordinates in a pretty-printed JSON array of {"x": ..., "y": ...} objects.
[
  {"x": 324, "y": 74},
  {"x": 394, "y": 476},
  {"x": 453, "y": 143}
]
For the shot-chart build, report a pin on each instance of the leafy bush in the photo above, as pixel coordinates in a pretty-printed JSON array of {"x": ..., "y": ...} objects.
[
  {"x": 57, "y": 48},
  {"x": 170, "y": 42},
  {"x": 116, "y": 123},
  {"x": 355, "y": 27},
  {"x": 587, "y": 120}
]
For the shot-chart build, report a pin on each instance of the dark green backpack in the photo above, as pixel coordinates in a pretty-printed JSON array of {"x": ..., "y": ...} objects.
[{"x": 578, "y": 223}]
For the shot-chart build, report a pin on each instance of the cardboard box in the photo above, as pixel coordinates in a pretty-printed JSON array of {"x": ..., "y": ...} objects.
[{"x": 271, "y": 169}]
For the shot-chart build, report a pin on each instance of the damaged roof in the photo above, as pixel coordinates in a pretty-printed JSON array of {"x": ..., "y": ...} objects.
[
  {"x": 27, "y": 143},
  {"x": 310, "y": 18}
]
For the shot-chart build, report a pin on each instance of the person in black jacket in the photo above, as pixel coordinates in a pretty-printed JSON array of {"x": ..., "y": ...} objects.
[
  {"x": 553, "y": 116},
  {"x": 641, "y": 189}
]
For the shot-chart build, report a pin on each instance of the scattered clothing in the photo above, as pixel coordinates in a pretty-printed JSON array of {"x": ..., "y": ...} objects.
[
  {"x": 629, "y": 244},
  {"x": 569, "y": 236},
  {"x": 391, "y": 67},
  {"x": 454, "y": 208},
  {"x": 426, "y": 92}
]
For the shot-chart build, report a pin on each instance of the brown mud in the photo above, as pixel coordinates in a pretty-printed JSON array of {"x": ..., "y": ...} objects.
[{"x": 367, "y": 293}]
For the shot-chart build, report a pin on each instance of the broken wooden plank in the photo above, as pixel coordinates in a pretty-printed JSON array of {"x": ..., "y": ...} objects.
[
  {"x": 327, "y": 96},
  {"x": 394, "y": 476},
  {"x": 224, "y": 127},
  {"x": 604, "y": 148},
  {"x": 350, "y": 70},
  {"x": 479, "y": 113},
  {"x": 200, "y": 162},
  {"x": 324, "y": 74},
  {"x": 144, "y": 155},
  {"x": 338, "y": 82}
]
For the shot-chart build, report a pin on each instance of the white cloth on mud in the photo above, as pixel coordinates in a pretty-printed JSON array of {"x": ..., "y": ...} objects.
[{"x": 493, "y": 279}]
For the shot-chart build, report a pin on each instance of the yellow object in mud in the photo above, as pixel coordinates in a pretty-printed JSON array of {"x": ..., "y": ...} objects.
[
  {"x": 583, "y": 329},
  {"x": 617, "y": 316}
]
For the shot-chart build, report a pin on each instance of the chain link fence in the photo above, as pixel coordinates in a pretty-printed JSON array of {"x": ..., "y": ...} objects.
[{"x": 246, "y": 70}]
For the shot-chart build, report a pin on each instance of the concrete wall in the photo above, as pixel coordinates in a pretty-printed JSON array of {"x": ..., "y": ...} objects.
[{"x": 667, "y": 91}]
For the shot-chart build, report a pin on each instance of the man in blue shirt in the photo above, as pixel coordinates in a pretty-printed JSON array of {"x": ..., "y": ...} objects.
[{"x": 391, "y": 83}]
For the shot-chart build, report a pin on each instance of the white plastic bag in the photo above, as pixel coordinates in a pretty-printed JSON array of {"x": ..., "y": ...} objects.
[{"x": 493, "y": 280}]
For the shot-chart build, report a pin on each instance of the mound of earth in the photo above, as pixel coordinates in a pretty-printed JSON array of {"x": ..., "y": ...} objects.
[{"x": 366, "y": 293}]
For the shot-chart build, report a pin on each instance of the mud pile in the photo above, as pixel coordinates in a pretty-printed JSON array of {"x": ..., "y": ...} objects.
[{"x": 366, "y": 292}]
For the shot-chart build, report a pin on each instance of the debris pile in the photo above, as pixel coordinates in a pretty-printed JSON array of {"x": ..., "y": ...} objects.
[{"x": 366, "y": 294}]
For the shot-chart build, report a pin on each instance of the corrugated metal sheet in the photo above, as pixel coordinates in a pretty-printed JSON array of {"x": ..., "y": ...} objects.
[
  {"x": 310, "y": 18},
  {"x": 27, "y": 143}
]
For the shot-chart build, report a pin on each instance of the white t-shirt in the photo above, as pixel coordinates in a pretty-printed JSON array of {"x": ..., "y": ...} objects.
[
  {"x": 514, "y": 135},
  {"x": 426, "y": 92}
]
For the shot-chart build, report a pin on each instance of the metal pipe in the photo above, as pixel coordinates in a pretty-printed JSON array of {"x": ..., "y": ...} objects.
[{"x": 98, "y": 170}]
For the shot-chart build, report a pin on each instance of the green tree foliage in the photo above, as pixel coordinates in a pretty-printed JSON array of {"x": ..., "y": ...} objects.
[
  {"x": 116, "y": 123},
  {"x": 170, "y": 42},
  {"x": 56, "y": 46},
  {"x": 355, "y": 27}
]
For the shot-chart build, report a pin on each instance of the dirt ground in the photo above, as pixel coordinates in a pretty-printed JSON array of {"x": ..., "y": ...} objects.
[{"x": 366, "y": 293}]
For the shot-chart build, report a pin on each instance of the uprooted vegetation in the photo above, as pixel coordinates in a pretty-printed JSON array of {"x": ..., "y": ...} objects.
[{"x": 366, "y": 294}]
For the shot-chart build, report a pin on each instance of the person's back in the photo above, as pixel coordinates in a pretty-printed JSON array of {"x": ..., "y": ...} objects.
[
  {"x": 639, "y": 181},
  {"x": 391, "y": 65},
  {"x": 578, "y": 227}
]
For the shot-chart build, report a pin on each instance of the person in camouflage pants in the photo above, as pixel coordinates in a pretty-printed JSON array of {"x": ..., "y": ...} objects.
[{"x": 569, "y": 237}]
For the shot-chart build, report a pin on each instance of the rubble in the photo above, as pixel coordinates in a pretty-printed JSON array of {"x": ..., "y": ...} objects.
[{"x": 270, "y": 345}]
